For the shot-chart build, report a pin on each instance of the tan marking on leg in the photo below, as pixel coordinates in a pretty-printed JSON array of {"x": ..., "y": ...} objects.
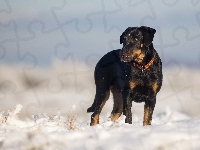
[
  {"x": 95, "y": 117},
  {"x": 94, "y": 120},
  {"x": 115, "y": 116},
  {"x": 132, "y": 85},
  {"x": 155, "y": 87},
  {"x": 107, "y": 94},
  {"x": 118, "y": 104},
  {"x": 146, "y": 117}
]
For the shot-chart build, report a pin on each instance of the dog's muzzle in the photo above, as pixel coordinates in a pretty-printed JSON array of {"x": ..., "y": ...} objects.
[
  {"x": 125, "y": 55},
  {"x": 127, "y": 52}
]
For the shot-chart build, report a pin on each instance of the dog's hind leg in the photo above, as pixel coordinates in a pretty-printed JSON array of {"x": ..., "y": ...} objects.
[
  {"x": 117, "y": 105},
  {"x": 101, "y": 97}
]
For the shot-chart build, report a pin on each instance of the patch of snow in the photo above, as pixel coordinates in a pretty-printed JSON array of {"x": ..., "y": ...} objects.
[{"x": 170, "y": 129}]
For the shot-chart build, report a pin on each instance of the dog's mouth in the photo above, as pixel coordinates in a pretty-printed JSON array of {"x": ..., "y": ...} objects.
[
  {"x": 138, "y": 56},
  {"x": 125, "y": 58},
  {"x": 126, "y": 54}
]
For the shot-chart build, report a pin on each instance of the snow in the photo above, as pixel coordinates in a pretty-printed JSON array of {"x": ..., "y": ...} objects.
[
  {"x": 52, "y": 116},
  {"x": 170, "y": 129}
]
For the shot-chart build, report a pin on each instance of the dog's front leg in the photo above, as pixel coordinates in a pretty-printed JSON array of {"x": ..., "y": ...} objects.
[
  {"x": 148, "y": 111},
  {"x": 127, "y": 104},
  {"x": 128, "y": 114}
]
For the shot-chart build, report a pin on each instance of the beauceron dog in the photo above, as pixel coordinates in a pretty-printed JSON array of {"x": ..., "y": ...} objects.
[{"x": 133, "y": 73}]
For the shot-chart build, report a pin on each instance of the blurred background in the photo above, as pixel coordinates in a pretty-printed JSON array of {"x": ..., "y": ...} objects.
[{"x": 48, "y": 51}]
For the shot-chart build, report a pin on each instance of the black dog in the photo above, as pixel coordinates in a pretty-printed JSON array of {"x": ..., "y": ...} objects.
[{"x": 133, "y": 73}]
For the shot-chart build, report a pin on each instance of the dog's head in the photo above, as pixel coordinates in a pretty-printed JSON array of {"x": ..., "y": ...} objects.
[{"x": 136, "y": 41}]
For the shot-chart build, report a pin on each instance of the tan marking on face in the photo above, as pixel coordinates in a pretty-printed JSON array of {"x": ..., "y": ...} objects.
[
  {"x": 137, "y": 52},
  {"x": 139, "y": 55},
  {"x": 132, "y": 85},
  {"x": 146, "y": 116}
]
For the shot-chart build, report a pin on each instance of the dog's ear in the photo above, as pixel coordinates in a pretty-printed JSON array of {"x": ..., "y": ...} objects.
[
  {"x": 148, "y": 35},
  {"x": 124, "y": 33},
  {"x": 121, "y": 38}
]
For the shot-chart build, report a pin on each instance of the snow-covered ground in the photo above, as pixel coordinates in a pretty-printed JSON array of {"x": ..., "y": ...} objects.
[
  {"x": 170, "y": 130},
  {"x": 44, "y": 109}
]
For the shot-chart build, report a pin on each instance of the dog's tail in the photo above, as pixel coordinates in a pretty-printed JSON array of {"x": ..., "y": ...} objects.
[{"x": 91, "y": 109}]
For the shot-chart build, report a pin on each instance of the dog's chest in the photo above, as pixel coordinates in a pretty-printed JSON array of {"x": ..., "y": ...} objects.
[
  {"x": 142, "y": 82},
  {"x": 141, "y": 77}
]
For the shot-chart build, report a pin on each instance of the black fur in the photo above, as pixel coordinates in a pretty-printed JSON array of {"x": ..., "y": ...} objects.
[{"x": 133, "y": 73}]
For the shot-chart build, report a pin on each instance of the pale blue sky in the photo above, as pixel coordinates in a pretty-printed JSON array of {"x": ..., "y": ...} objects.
[{"x": 41, "y": 32}]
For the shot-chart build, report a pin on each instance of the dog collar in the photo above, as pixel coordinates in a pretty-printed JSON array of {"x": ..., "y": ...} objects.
[{"x": 141, "y": 67}]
